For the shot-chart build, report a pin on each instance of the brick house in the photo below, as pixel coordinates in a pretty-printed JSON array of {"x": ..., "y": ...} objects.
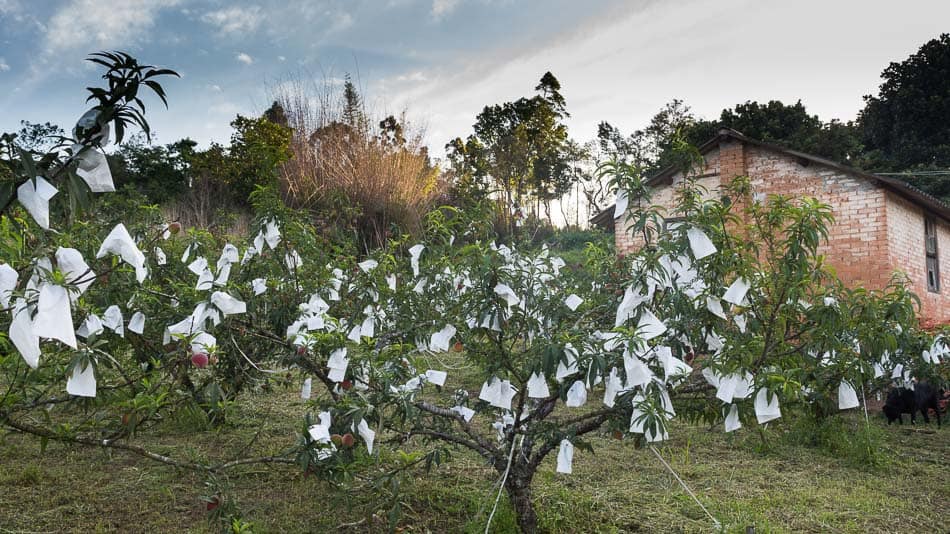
[{"x": 882, "y": 225}]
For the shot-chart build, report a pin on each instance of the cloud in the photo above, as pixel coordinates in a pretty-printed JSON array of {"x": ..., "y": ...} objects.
[
  {"x": 214, "y": 87},
  {"x": 244, "y": 58},
  {"x": 81, "y": 25},
  {"x": 9, "y": 6},
  {"x": 414, "y": 76},
  {"x": 442, "y": 8},
  {"x": 224, "y": 108},
  {"x": 4, "y": 66},
  {"x": 235, "y": 19}
]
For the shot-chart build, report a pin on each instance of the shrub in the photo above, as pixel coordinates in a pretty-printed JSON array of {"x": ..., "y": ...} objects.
[{"x": 369, "y": 175}]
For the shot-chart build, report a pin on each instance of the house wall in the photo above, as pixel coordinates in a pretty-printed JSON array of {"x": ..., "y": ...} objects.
[
  {"x": 875, "y": 231},
  {"x": 905, "y": 230},
  {"x": 857, "y": 240}
]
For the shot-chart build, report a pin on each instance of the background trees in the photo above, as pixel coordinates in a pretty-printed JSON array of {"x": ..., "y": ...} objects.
[
  {"x": 902, "y": 130},
  {"x": 519, "y": 149}
]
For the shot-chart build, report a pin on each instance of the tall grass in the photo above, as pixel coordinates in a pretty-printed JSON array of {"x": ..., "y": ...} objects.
[{"x": 355, "y": 169}]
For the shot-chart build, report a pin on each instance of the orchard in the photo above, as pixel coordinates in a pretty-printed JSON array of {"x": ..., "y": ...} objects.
[{"x": 114, "y": 319}]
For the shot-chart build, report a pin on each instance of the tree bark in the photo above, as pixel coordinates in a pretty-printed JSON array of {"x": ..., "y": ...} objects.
[{"x": 519, "y": 493}]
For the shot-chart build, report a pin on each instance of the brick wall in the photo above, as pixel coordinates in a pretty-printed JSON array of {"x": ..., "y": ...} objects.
[
  {"x": 905, "y": 225},
  {"x": 875, "y": 231},
  {"x": 857, "y": 241}
]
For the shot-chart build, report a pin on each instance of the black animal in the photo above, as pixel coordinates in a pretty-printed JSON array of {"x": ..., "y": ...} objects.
[{"x": 920, "y": 399}]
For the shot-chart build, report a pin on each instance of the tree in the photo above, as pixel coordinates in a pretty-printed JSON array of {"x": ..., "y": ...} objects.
[
  {"x": 904, "y": 127},
  {"x": 160, "y": 173},
  {"x": 792, "y": 127},
  {"x": 259, "y": 146},
  {"x": 519, "y": 148}
]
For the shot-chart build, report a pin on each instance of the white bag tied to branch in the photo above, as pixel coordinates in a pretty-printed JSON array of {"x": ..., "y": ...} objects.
[
  {"x": 82, "y": 383},
  {"x": 577, "y": 395},
  {"x": 650, "y": 326},
  {"x": 337, "y": 364},
  {"x": 620, "y": 203},
  {"x": 436, "y": 377},
  {"x": 113, "y": 320},
  {"x": 538, "y": 386},
  {"x": 507, "y": 294},
  {"x": 573, "y": 301},
  {"x": 736, "y": 292},
  {"x": 564, "y": 371},
  {"x": 137, "y": 323},
  {"x": 22, "y": 336},
  {"x": 94, "y": 169},
  {"x": 700, "y": 243},
  {"x": 228, "y": 304},
  {"x": 565, "y": 457},
  {"x": 120, "y": 243},
  {"x": 414, "y": 253},
  {"x": 367, "y": 434},
  {"x": 91, "y": 326},
  {"x": 75, "y": 268},
  {"x": 54, "y": 318},
  {"x": 35, "y": 198},
  {"x": 439, "y": 341},
  {"x": 847, "y": 396},
  {"x": 8, "y": 280},
  {"x": 766, "y": 406},
  {"x": 732, "y": 419}
]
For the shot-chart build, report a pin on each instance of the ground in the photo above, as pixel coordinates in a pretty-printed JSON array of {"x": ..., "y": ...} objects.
[{"x": 783, "y": 484}]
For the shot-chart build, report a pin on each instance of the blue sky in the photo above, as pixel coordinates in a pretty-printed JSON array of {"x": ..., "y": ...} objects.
[{"x": 443, "y": 60}]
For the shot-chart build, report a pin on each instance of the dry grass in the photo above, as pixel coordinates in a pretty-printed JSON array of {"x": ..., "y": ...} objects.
[{"x": 351, "y": 168}]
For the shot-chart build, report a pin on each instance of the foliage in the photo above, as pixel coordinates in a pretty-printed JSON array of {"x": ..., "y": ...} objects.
[
  {"x": 774, "y": 122},
  {"x": 363, "y": 179},
  {"x": 518, "y": 149},
  {"x": 904, "y": 126},
  {"x": 159, "y": 172},
  {"x": 117, "y": 107}
]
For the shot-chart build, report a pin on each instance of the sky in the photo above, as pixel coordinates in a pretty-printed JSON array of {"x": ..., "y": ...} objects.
[{"x": 442, "y": 61}]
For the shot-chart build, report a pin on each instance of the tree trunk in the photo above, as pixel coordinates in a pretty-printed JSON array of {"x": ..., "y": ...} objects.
[{"x": 519, "y": 492}]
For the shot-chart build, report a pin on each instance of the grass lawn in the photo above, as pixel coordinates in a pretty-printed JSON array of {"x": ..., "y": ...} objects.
[{"x": 784, "y": 486}]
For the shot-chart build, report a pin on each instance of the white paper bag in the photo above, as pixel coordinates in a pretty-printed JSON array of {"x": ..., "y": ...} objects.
[
  {"x": 54, "y": 318},
  {"x": 565, "y": 457},
  {"x": 82, "y": 383},
  {"x": 700, "y": 243}
]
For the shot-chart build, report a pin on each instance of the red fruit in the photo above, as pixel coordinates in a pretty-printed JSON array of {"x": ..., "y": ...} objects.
[
  {"x": 618, "y": 434},
  {"x": 458, "y": 346},
  {"x": 213, "y": 503},
  {"x": 200, "y": 360},
  {"x": 348, "y": 440},
  {"x": 346, "y": 384},
  {"x": 337, "y": 439},
  {"x": 301, "y": 351},
  {"x": 174, "y": 227}
]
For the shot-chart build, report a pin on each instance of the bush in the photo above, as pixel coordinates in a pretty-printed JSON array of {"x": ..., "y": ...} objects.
[{"x": 367, "y": 175}]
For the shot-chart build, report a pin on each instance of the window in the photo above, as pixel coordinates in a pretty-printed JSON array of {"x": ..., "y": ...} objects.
[{"x": 933, "y": 264}]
